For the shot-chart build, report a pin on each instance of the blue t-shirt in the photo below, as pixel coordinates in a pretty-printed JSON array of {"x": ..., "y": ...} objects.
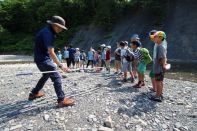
[
  {"x": 44, "y": 40},
  {"x": 66, "y": 54},
  {"x": 103, "y": 55},
  {"x": 72, "y": 52},
  {"x": 90, "y": 55},
  {"x": 59, "y": 56}
]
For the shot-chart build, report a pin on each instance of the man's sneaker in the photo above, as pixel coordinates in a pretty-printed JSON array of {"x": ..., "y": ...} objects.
[
  {"x": 34, "y": 96},
  {"x": 66, "y": 102},
  {"x": 156, "y": 98}
]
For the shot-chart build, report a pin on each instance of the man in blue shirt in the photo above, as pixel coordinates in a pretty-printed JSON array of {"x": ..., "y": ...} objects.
[{"x": 45, "y": 57}]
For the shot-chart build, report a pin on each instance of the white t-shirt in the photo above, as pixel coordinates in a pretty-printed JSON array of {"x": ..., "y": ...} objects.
[{"x": 122, "y": 53}]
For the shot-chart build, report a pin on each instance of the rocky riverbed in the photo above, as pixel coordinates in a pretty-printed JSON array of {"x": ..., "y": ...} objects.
[{"x": 102, "y": 104}]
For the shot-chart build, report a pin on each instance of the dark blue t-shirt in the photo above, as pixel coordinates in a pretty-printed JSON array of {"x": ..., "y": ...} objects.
[
  {"x": 72, "y": 52},
  {"x": 44, "y": 40}
]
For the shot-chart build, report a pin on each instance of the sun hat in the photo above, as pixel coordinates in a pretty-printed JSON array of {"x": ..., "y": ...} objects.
[
  {"x": 103, "y": 45},
  {"x": 160, "y": 34},
  {"x": 57, "y": 20},
  {"x": 122, "y": 43},
  {"x": 109, "y": 47},
  {"x": 135, "y": 36}
]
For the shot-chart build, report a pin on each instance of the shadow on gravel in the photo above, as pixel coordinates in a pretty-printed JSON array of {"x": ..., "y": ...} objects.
[
  {"x": 23, "y": 108},
  {"x": 137, "y": 105},
  {"x": 124, "y": 90}
]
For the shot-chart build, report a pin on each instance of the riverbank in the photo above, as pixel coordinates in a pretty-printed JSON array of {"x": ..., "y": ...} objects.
[{"x": 97, "y": 96}]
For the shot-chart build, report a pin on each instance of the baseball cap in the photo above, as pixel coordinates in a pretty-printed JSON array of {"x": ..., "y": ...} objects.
[{"x": 160, "y": 34}]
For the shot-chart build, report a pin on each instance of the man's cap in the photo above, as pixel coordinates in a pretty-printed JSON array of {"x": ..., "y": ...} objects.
[
  {"x": 160, "y": 34},
  {"x": 57, "y": 20}
]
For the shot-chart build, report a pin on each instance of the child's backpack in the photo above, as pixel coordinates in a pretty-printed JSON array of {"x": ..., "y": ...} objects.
[
  {"x": 146, "y": 55},
  {"x": 129, "y": 56}
]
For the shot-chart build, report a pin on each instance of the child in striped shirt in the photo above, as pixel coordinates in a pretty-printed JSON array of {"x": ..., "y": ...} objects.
[{"x": 141, "y": 66}]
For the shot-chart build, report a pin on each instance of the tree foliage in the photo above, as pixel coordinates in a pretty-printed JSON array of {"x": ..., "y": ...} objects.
[{"x": 27, "y": 16}]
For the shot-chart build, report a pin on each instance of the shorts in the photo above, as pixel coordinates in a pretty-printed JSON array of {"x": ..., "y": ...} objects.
[
  {"x": 159, "y": 77},
  {"x": 151, "y": 74},
  {"x": 126, "y": 67},
  {"x": 141, "y": 68},
  {"x": 96, "y": 62}
]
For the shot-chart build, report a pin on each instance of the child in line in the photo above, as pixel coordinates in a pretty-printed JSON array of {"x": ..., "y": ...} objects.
[
  {"x": 96, "y": 59},
  {"x": 66, "y": 55},
  {"x": 159, "y": 64},
  {"x": 117, "y": 59},
  {"x": 77, "y": 58},
  {"x": 108, "y": 58},
  {"x": 103, "y": 55},
  {"x": 82, "y": 59},
  {"x": 135, "y": 37},
  {"x": 59, "y": 56},
  {"x": 141, "y": 66},
  {"x": 126, "y": 64},
  {"x": 90, "y": 57}
]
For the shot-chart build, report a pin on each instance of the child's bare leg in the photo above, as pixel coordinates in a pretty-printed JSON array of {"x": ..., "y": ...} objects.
[
  {"x": 153, "y": 83},
  {"x": 159, "y": 86}
]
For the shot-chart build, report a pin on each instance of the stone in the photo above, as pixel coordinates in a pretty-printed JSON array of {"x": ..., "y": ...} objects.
[
  {"x": 46, "y": 117},
  {"x": 16, "y": 127},
  {"x": 108, "y": 122},
  {"x": 91, "y": 118},
  {"x": 178, "y": 125},
  {"x": 61, "y": 118},
  {"x": 128, "y": 125},
  {"x": 105, "y": 129},
  {"x": 164, "y": 126},
  {"x": 138, "y": 128},
  {"x": 176, "y": 129},
  {"x": 157, "y": 120}
]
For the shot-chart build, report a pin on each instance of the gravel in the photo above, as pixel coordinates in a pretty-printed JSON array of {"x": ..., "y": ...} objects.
[{"x": 102, "y": 103}]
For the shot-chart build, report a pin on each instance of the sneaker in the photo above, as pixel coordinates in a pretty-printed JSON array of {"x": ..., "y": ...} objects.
[
  {"x": 132, "y": 80},
  {"x": 66, "y": 102},
  {"x": 156, "y": 98},
  {"x": 142, "y": 84},
  {"x": 115, "y": 73},
  {"x": 34, "y": 96},
  {"x": 120, "y": 73},
  {"x": 152, "y": 90},
  {"x": 137, "y": 85},
  {"x": 124, "y": 80}
]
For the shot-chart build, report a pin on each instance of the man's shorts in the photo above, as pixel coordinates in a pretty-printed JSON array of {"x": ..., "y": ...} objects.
[
  {"x": 159, "y": 77},
  {"x": 141, "y": 68},
  {"x": 151, "y": 74},
  {"x": 126, "y": 66}
]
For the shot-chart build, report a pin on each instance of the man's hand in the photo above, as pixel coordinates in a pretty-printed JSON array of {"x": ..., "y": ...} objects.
[{"x": 64, "y": 68}]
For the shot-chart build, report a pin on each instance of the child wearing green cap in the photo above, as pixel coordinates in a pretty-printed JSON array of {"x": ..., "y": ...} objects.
[{"x": 159, "y": 63}]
